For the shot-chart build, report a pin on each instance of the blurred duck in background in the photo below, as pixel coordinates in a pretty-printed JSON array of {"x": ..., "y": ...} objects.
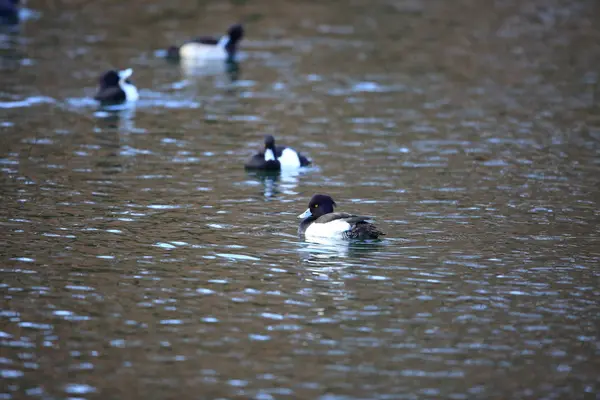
[
  {"x": 207, "y": 48},
  {"x": 276, "y": 158},
  {"x": 115, "y": 87},
  {"x": 9, "y": 12}
]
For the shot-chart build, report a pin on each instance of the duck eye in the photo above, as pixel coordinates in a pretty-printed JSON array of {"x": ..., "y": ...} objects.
[{"x": 316, "y": 206}]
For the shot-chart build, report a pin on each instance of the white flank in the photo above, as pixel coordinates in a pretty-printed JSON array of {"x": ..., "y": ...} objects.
[
  {"x": 289, "y": 159},
  {"x": 131, "y": 92},
  {"x": 333, "y": 229},
  {"x": 269, "y": 156},
  {"x": 195, "y": 51}
]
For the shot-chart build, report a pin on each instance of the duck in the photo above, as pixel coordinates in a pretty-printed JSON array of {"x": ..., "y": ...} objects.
[
  {"x": 116, "y": 88},
  {"x": 208, "y": 48},
  {"x": 276, "y": 158},
  {"x": 320, "y": 221},
  {"x": 9, "y": 12}
]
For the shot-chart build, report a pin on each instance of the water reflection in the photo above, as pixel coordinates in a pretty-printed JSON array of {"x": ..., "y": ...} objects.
[
  {"x": 108, "y": 132},
  {"x": 120, "y": 118},
  {"x": 12, "y": 56},
  {"x": 317, "y": 250},
  {"x": 27, "y": 102},
  {"x": 197, "y": 69},
  {"x": 276, "y": 183}
]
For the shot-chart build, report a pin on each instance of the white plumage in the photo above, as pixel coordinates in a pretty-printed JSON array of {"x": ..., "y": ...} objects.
[
  {"x": 269, "y": 156},
  {"x": 289, "y": 159},
  {"x": 201, "y": 51},
  {"x": 334, "y": 229},
  {"x": 131, "y": 92}
]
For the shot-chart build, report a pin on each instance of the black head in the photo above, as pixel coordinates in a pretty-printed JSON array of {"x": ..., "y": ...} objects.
[
  {"x": 321, "y": 204},
  {"x": 173, "y": 53},
  {"x": 113, "y": 78},
  {"x": 109, "y": 79},
  {"x": 270, "y": 142},
  {"x": 235, "y": 33}
]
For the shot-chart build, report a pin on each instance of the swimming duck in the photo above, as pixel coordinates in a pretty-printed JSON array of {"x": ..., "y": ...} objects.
[
  {"x": 209, "y": 48},
  {"x": 116, "y": 88},
  {"x": 275, "y": 158},
  {"x": 319, "y": 220},
  {"x": 9, "y": 12}
]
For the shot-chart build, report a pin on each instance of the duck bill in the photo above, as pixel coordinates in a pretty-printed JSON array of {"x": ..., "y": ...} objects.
[
  {"x": 126, "y": 73},
  {"x": 305, "y": 214}
]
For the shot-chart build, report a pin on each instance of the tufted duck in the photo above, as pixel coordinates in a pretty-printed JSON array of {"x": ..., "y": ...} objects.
[
  {"x": 209, "y": 48},
  {"x": 116, "y": 88},
  {"x": 319, "y": 220},
  {"x": 275, "y": 158}
]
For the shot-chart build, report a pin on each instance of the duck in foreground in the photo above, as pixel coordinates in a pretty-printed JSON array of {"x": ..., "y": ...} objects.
[
  {"x": 207, "y": 48},
  {"x": 116, "y": 88},
  {"x": 275, "y": 158},
  {"x": 320, "y": 221}
]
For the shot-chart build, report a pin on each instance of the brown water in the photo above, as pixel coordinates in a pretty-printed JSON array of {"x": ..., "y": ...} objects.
[{"x": 139, "y": 260}]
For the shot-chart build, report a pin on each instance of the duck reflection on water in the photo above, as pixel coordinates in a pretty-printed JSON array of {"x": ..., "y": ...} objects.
[
  {"x": 319, "y": 250},
  {"x": 277, "y": 182},
  {"x": 113, "y": 126},
  {"x": 194, "y": 69},
  {"x": 119, "y": 118}
]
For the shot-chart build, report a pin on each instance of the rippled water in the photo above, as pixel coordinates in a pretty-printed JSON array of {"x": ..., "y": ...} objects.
[{"x": 141, "y": 261}]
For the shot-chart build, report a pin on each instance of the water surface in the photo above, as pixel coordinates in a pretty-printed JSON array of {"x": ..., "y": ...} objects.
[{"x": 139, "y": 260}]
